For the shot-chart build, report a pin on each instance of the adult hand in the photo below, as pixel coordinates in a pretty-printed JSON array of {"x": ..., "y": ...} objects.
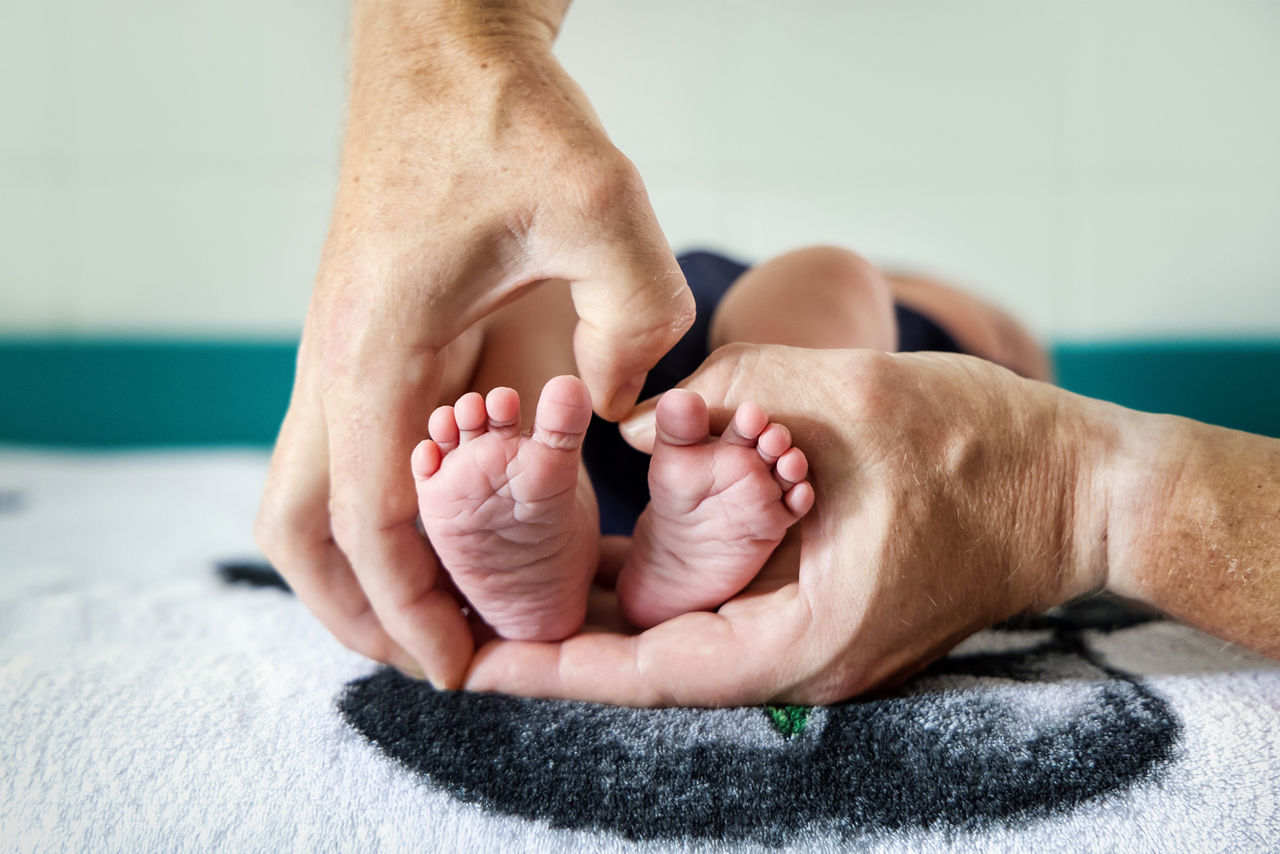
[
  {"x": 950, "y": 495},
  {"x": 473, "y": 167}
]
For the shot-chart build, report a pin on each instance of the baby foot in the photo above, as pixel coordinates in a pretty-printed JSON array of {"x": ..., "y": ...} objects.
[
  {"x": 718, "y": 508},
  {"x": 510, "y": 515}
]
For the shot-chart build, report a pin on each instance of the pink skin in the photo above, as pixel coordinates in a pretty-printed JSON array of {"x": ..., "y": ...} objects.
[
  {"x": 719, "y": 506},
  {"x": 514, "y": 521},
  {"x": 511, "y": 516}
]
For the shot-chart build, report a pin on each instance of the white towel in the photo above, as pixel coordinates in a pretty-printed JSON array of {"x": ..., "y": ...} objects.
[{"x": 149, "y": 702}]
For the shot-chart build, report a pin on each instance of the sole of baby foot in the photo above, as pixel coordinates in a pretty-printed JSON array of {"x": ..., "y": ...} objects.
[
  {"x": 719, "y": 506},
  {"x": 510, "y": 514}
]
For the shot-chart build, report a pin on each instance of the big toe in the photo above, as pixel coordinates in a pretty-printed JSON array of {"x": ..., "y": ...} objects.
[
  {"x": 564, "y": 411},
  {"x": 682, "y": 418}
]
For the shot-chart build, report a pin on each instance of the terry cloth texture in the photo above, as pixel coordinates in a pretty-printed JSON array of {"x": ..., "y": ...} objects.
[
  {"x": 619, "y": 473},
  {"x": 162, "y": 692}
]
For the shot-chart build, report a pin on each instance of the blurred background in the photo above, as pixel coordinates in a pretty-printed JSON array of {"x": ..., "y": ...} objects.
[{"x": 1108, "y": 171}]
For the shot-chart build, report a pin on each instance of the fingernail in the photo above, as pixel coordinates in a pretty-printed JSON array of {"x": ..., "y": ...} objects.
[
  {"x": 640, "y": 429},
  {"x": 439, "y": 683},
  {"x": 627, "y": 393},
  {"x": 409, "y": 668}
]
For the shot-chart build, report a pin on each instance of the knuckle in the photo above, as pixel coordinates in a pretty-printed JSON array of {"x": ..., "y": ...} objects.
[
  {"x": 839, "y": 680},
  {"x": 265, "y": 533},
  {"x": 360, "y": 328},
  {"x": 273, "y": 531},
  {"x": 662, "y": 320},
  {"x": 724, "y": 358},
  {"x": 684, "y": 311},
  {"x": 605, "y": 184},
  {"x": 357, "y": 528},
  {"x": 340, "y": 351},
  {"x": 289, "y": 523},
  {"x": 872, "y": 381},
  {"x": 720, "y": 369},
  {"x": 825, "y": 693},
  {"x": 354, "y": 514},
  {"x": 345, "y": 522}
]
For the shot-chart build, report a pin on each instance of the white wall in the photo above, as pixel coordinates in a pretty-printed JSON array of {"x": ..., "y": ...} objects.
[
  {"x": 1105, "y": 168},
  {"x": 166, "y": 166}
]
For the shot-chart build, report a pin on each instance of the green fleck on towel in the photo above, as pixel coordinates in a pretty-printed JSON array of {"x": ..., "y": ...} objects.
[{"x": 790, "y": 720}]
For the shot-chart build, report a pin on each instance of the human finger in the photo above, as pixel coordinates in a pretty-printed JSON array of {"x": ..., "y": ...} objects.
[
  {"x": 696, "y": 659},
  {"x": 373, "y": 429},
  {"x": 292, "y": 528},
  {"x": 717, "y": 381},
  {"x": 631, "y": 298}
]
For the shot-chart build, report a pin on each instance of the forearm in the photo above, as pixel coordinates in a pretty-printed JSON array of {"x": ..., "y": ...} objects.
[{"x": 1193, "y": 525}]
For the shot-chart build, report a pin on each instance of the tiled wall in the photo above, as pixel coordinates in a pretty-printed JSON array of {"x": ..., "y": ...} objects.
[{"x": 1106, "y": 168}]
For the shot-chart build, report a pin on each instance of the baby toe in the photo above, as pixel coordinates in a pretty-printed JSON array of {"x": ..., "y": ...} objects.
[
  {"x": 773, "y": 442},
  {"x": 425, "y": 460},
  {"x": 749, "y": 421},
  {"x": 564, "y": 411},
  {"x": 442, "y": 426},
  {"x": 682, "y": 418},
  {"x": 473, "y": 420},
  {"x": 503, "y": 407},
  {"x": 791, "y": 467},
  {"x": 799, "y": 498}
]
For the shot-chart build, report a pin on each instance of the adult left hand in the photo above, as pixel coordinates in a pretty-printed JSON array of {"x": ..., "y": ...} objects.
[{"x": 950, "y": 494}]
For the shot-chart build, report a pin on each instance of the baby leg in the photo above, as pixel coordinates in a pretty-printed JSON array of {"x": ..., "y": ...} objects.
[
  {"x": 826, "y": 297},
  {"x": 980, "y": 328},
  {"x": 821, "y": 297}
]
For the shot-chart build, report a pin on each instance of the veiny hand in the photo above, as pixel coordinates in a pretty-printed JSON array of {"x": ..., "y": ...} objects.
[
  {"x": 473, "y": 167},
  {"x": 950, "y": 495}
]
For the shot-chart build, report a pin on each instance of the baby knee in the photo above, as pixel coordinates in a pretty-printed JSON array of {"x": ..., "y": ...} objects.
[{"x": 849, "y": 270}]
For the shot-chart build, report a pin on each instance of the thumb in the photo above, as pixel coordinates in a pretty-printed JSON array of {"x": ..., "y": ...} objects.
[
  {"x": 632, "y": 308},
  {"x": 717, "y": 381}
]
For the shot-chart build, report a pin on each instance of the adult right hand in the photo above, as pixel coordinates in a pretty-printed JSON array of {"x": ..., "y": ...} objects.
[
  {"x": 950, "y": 494},
  {"x": 473, "y": 167}
]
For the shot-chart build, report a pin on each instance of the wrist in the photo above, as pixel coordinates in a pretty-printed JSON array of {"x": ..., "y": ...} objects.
[
  {"x": 1101, "y": 463},
  {"x": 1142, "y": 496},
  {"x": 1132, "y": 457}
]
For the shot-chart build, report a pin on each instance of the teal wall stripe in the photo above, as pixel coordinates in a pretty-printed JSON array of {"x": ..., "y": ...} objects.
[
  {"x": 113, "y": 393},
  {"x": 1232, "y": 383},
  {"x": 118, "y": 393}
]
